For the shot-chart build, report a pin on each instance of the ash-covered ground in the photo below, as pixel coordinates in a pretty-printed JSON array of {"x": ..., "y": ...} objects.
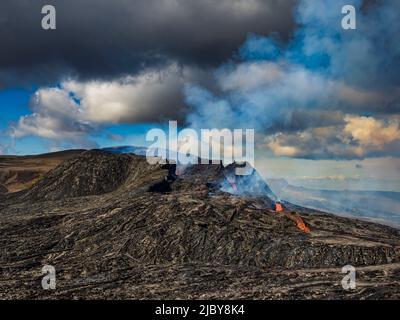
[{"x": 115, "y": 227}]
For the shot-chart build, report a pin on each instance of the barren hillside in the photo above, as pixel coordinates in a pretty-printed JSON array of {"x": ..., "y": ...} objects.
[{"x": 114, "y": 226}]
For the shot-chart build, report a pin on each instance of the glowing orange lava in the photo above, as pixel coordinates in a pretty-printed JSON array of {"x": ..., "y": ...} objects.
[
  {"x": 294, "y": 217},
  {"x": 278, "y": 207},
  {"x": 301, "y": 225}
]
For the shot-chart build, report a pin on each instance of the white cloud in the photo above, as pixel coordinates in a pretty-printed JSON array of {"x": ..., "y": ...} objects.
[
  {"x": 75, "y": 109},
  {"x": 373, "y": 133},
  {"x": 282, "y": 150},
  {"x": 132, "y": 99},
  {"x": 357, "y": 137},
  {"x": 249, "y": 76}
]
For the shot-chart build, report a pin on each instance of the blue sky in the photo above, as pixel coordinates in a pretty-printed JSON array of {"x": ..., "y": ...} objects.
[{"x": 15, "y": 103}]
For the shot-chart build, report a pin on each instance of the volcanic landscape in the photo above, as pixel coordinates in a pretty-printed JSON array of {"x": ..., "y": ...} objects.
[{"x": 116, "y": 227}]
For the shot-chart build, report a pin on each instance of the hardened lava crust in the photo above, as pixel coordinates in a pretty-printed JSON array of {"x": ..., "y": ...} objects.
[{"x": 115, "y": 227}]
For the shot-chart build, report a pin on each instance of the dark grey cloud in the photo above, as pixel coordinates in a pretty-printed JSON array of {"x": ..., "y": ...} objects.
[
  {"x": 106, "y": 39},
  {"x": 299, "y": 120}
]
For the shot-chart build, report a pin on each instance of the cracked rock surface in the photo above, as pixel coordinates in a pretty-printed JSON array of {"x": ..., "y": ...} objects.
[{"x": 115, "y": 227}]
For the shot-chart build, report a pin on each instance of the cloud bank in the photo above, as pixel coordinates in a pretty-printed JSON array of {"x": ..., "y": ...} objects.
[
  {"x": 75, "y": 109},
  {"x": 103, "y": 40},
  {"x": 309, "y": 88},
  {"x": 327, "y": 93}
]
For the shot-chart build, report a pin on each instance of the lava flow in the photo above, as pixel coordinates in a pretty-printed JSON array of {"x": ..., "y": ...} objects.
[
  {"x": 278, "y": 207},
  {"x": 300, "y": 224},
  {"x": 294, "y": 217}
]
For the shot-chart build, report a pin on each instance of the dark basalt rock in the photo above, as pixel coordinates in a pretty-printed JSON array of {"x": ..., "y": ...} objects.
[
  {"x": 91, "y": 173},
  {"x": 3, "y": 189},
  {"x": 114, "y": 226}
]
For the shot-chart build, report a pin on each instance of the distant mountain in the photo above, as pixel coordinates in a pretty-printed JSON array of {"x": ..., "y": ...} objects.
[
  {"x": 20, "y": 172},
  {"x": 140, "y": 151},
  {"x": 380, "y": 206}
]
